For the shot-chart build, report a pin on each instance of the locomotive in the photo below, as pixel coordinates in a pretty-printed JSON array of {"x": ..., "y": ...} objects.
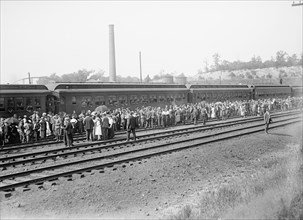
[{"x": 80, "y": 97}]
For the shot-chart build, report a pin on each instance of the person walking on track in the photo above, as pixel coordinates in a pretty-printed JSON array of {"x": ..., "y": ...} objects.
[
  {"x": 88, "y": 125},
  {"x": 267, "y": 120},
  {"x": 131, "y": 126}
]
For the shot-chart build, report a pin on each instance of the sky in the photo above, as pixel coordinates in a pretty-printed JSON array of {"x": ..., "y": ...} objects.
[{"x": 45, "y": 37}]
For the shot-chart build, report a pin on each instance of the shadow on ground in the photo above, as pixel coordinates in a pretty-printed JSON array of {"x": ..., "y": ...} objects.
[{"x": 278, "y": 134}]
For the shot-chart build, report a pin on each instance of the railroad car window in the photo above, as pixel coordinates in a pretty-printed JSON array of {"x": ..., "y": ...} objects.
[
  {"x": 37, "y": 103},
  {"x": 74, "y": 100},
  {"x": 144, "y": 99},
  {"x": 99, "y": 100},
  {"x": 155, "y": 98},
  {"x": 183, "y": 96},
  {"x": 19, "y": 104},
  {"x": 28, "y": 104},
  {"x": 112, "y": 99},
  {"x": 152, "y": 98},
  {"x": 172, "y": 98},
  {"x": 10, "y": 104},
  {"x": 179, "y": 98},
  {"x": 2, "y": 104},
  {"x": 62, "y": 100},
  {"x": 122, "y": 99},
  {"x": 133, "y": 99},
  {"x": 161, "y": 98},
  {"x": 86, "y": 102}
]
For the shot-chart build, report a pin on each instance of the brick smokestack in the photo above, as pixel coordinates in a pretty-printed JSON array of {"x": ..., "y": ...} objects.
[{"x": 112, "y": 58}]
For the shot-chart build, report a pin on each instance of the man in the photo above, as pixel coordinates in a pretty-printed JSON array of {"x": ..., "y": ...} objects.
[
  {"x": 131, "y": 126},
  {"x": 68, "y": 132},
  {"x": 88, "y": 126},
  {"x": 105, "y": 126},
  {"x": 43, "y": 128},
  {"x": 148, "y": 118},
  {"x": 58, "y": 125},
  {"x": 194, "y": 115},
  {"x": 267, "y": 120},
  {"x": 204, "y": 115}
]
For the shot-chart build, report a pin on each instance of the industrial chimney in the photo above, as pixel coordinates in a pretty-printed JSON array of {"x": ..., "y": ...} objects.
[{"x": 112, "y": 59}]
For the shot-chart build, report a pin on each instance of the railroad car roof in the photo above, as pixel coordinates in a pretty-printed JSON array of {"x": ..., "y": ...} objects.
[
  {"x": 85, "y": 86},
  {"x": 218, "y": 86},
  {"x": 28, "y": 91},
  {"x": 22, "y": 87},
  {"x": 271, "y": 86},
  {"x": 220, "y": 89},
  {"x": 112, "y": 90}
]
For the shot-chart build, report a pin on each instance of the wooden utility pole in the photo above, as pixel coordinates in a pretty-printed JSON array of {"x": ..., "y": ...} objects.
[
  {"x": 29, "y": 78},
  {"x": 140, "y": 67}
]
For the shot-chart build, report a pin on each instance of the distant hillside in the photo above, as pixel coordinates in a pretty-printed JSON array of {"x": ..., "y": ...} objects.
[{"x": 289, "y": 75}]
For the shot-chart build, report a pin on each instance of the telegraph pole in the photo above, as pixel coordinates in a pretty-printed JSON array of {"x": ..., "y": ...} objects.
[
  {"x": 140, "y": 67},
  {"x": 29, "y": 78}
]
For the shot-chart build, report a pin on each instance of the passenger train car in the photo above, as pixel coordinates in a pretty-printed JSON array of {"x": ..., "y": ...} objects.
[
  {"x": 297, "y": 91},
  {"x": 80, "y": 97},
  {"x": 24, "y": 99},
  {"x": 269, "y": 91},
  {"x": 200, "y": 93}
]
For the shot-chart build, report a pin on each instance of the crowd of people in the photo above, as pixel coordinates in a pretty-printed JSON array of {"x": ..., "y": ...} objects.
[{"x": 102, "y": 126}]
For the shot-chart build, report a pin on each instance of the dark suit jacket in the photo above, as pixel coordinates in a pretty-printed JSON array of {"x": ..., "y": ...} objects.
[
  {"x": 68, "y": 128},
  {"x": 105, "y": 122},
  {"x": 131, "y": 122},
  {"x": 88, "y": 123},
  {"x": 43, "y": 125}
]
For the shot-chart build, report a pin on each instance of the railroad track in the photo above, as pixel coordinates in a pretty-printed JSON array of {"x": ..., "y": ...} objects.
[
  {"x": 82, "y": 167},
  {"x": 42, "y": 156},
  {"x": 81, "y": 137},
  {"x": 33, "y": 146}
]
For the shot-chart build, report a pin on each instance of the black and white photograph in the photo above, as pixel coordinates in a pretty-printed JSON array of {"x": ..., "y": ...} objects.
[{"x": 156, "y": 110}]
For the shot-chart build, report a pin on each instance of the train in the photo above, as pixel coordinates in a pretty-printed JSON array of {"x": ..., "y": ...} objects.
[{"x": 80, "y": 97}]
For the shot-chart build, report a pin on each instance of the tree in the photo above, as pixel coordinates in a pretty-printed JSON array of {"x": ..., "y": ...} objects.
[
  {"x": 281, "y": 58},
  {"x": 200, "y": 72},
  {"x": 156, "y": 77},
  {"x": 268, "y": 76},
  {"x": 225, "y": 65},
  {"x": 281, "y": 73},
  {"x": 97, "y": 76},
  {"x": 253, "y": 72},
  {"x": 147, "y": 79},
  {"x": 216, "y": 58},
  {"x": 80, "y": 76},
  {"x": 44, "y": 80},
  {"x": 241, "y": 76},
  {"x": 300, "y": 62},
  {"x": 49, "y": 79},
  {"x": 232, "y": 75},
  {"x": 206, "y": 66},
  {"x": 248, "y": 75},
  {"x": 292, "y": 60}
]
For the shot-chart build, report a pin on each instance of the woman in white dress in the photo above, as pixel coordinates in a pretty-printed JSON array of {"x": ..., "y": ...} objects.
[
  {"x": 213, "y": 112},
  {"x": 98, "y": 132}
]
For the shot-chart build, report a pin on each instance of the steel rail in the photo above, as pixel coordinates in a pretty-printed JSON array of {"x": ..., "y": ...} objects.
[
  {"x": 19, "y": 146},
  {"x": 146, "y": 155},
  {"x": 55, "y": 154},
  {"x": 119, "y": 139}
]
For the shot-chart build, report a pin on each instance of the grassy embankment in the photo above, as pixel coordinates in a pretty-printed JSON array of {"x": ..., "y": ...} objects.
[{"x": 275, "y": 191}]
